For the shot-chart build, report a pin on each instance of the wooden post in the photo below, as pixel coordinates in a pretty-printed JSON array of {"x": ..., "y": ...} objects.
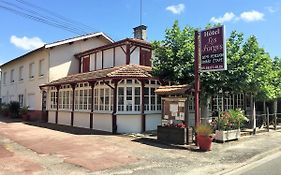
[
  {"x": 197, "y": 81},
  {"x": 73, "y": 98},
  {"x": 57, "y": 111},
  {"x": 267, "y": 119},
  {"x": 128, "y": 53},
  {"x": 92, "y": 106},
  {"x": 143, "y": 117},
  {"x": 114, "y": 117}
]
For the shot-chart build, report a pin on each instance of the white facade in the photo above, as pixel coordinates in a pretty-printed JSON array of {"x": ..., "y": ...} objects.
[
  {"x": 22, "y": 78},
  {"x": 24, "y": 75}
]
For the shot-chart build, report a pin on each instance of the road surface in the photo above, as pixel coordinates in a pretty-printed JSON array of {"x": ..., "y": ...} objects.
[{"x": 270, "y": 165}]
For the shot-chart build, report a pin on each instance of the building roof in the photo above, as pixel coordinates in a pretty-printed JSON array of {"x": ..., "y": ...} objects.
[
  {"x": 77, "y": 38},
  {"x": 174, "y": 90},
  {"x": 61, "y": 42},
  {"x": 132, "y": 41},
  {"x": 126, "y": 71}
]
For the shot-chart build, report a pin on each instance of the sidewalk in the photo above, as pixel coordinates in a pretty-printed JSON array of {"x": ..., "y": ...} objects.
[{"x": 108, "y": 154}]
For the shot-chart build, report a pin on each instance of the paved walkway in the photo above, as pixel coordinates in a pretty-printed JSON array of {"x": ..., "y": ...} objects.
[{"x": 28, "y": 149}]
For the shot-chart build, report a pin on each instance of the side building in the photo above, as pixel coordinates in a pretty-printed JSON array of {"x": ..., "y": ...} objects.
[{"x": 22, "y": 76}]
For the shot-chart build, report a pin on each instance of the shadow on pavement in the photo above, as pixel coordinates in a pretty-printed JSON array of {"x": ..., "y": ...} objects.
[
  {"x": 7, "y": 119},
  {"x": 156, "y": 143}
]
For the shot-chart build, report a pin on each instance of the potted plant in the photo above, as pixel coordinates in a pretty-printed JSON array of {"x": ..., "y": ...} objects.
[
  {"x": 204, "y": 137},
  {"x": 24, "y": 113},
  {"x": 228, "y": 124}
]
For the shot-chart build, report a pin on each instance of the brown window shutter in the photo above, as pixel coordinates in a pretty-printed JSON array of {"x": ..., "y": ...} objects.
[{"x": 86, "y": 64}]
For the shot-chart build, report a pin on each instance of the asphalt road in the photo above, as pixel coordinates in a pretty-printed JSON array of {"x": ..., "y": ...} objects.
[{"x": 270, "y": 165}]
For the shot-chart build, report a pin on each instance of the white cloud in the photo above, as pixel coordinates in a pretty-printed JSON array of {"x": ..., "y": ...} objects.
[
  {"x": 176, "y": 9},
  {"x": 26, "y": 43},
  {"x": 252, "y": 16},
  {"x": 228, "y": 16},
  {"x": 272, "y": 9}
]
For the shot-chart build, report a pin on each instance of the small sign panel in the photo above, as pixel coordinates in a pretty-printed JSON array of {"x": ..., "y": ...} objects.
[{"x": 213, "y": 49}]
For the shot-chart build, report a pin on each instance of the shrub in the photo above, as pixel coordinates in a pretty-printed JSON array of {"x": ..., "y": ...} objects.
[
  {"x": 5, "y": 109},
  {"x": 231, "y": 119},
  {"x": 24, "y": 110},
  {"x": 14, "y": 108}
]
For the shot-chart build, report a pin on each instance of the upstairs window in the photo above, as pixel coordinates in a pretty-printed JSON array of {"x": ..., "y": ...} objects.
[
  {"x": 31, "y": 70},
  {"x": 21, "y": 73},
  {"x": 86, "y": 64},
  {"x": 12, "y": 76},
  {"x": 145, "y": 57},
  {"x": 4, "y": 77},
  {"x": 21, "y": 100},
  {"x": 41, "y": 68}
]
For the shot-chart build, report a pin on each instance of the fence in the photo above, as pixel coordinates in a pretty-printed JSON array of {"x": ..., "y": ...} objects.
[{"x": 268, "y": 119}]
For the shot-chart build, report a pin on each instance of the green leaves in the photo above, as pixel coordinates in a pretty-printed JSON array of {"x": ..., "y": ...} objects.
[{"x": 250, "y": 68}]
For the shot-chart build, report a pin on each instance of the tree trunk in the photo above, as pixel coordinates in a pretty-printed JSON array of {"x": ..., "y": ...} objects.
[
  {"x": 253, "y": 107},
  {"x": 204, "y": 105}
]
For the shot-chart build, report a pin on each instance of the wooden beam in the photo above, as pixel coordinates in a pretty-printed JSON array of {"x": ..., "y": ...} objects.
[
  {"x": 127, "y": 53},
  {"x": 123, "y": 49},
  {"x": 133, "y": 50},
  {"x": 113, "y": 56},
  {"x": 102, "y": 59}
]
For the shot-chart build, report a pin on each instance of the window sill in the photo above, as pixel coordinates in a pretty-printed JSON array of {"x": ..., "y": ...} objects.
[
  {"x": 128, "y": 113},
  {"x": 102, "y": 112},
  {"x": 152, "y": 112}
]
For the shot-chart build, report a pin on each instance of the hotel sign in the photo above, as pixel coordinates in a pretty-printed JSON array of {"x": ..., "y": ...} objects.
[{"x": 213, "y": 49}]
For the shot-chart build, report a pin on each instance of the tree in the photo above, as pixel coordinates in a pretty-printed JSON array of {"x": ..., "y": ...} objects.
[
  {"x": 174, "y": 56},
  {"x": 250, "y": 68}
]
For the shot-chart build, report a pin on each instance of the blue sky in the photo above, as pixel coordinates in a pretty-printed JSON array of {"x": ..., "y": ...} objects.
[{"x": 117, "y": 18}]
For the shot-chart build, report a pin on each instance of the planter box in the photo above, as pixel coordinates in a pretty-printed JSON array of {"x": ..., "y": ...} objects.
[
  {"x": 223, "y": 136},
  {"x": 174, "y": 135}
]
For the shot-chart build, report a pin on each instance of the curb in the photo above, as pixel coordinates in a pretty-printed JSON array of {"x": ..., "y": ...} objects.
[{"x": 249, "y": 161}]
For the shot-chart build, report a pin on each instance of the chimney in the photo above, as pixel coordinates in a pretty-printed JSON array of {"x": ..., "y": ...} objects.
[{"x": 140, "y": 32}]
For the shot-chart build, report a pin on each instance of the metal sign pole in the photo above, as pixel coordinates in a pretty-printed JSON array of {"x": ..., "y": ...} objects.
[{"x": 197, "y": 79}]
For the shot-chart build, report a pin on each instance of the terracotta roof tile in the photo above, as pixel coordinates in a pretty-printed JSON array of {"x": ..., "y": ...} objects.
[
  {"x": 126, "y": 71},
  {"x": 173, "y": 90}
]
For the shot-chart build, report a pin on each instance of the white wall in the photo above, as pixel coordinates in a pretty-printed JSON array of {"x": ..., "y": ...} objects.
[
  {"x": 129, "y": 123},
  {"x": 102, "y": 122},
  {"x": 191, "y": 119},
  {"x": 64, "y": 117},
  {"x": 81, "y": 119},
  {"x": 108, "y": 58},
  {"x": 120, "y": 56},
  {"x": 135, "y": 56},
  {"x": 28, "y": 86},
  {"x": 52, "y": 117},
  {"x": 62, "y": 60},
  {"x": 152, "y": 121}
]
